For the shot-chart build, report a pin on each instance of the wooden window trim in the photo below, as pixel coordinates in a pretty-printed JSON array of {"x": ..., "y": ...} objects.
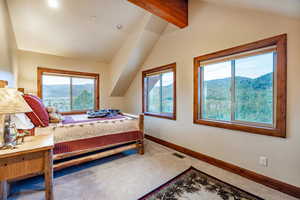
[
  {"x": 172, "y": 67},
  {"x": 42, "y": 70},
  {"x": 279, "y": 130}
]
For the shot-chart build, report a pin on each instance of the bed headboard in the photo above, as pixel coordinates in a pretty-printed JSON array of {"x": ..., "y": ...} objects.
[
  {"x": 21, "y": 90},
  {"x": 3, "y": 83}
]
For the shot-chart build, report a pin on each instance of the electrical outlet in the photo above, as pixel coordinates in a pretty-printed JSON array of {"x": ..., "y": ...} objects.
[
  {"x": 147, "y": 130},
  {"x": 263, "y": 161}
]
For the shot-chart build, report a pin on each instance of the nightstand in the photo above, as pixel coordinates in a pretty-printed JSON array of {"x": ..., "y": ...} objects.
[{"x": 31, "y": 158}]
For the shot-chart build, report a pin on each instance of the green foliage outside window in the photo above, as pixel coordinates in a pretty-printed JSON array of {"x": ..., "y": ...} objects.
[
  {"x": 160, "y": 93},
  {"x": 84, "y": 101},
  {"x": 239, "y": 90},
  {"x": 59, "y": 95}
]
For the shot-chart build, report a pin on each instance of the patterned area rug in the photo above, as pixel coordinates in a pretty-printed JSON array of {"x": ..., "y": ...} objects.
[{"x": 193, "y": 184}]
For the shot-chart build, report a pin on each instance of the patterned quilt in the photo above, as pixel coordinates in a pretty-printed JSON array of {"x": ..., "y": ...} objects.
[{"x": 88, "y": 129}]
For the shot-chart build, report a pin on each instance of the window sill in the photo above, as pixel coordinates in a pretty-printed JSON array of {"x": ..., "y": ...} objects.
[
  {"x": 276, "y": 132},
  {"x": 161, "y": 115}
]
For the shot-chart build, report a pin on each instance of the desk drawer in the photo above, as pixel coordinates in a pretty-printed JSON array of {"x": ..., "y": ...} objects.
[{"x": 18, "y": 166}]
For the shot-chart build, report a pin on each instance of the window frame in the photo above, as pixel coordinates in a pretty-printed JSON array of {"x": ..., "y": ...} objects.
[
  {"x": 48, "y": 71},
  {"x": 170, "y": 67},
  {"x": 280, "y": 92}
]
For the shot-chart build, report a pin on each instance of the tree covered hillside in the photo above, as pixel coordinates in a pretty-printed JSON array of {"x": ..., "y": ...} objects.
[
  {"x": 59, "y": 96},
  {"x": 253, "y": 99},
  {"x": 64, "y": 90}
]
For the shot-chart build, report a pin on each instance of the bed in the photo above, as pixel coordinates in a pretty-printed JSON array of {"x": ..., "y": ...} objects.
[{"x": 79, "y": 139}]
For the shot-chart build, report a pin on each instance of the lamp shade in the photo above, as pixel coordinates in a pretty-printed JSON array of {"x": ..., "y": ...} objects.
[
  {"x": 22, "y": 121},
  {"x": 12, "y": 102}
]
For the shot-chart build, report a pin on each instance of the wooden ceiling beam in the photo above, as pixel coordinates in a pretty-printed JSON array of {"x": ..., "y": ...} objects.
[{"x": 173, "y": 11}]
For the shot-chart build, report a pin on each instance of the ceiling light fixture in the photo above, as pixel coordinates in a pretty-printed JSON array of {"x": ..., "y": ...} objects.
[
  {"x": 53, "y": 3},
  {"x": 119, "y": 26},
  {"x": 93, "y": 18}
]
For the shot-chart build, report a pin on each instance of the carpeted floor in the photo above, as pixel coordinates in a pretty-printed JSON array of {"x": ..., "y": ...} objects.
[{"x": 129, "y": 176}]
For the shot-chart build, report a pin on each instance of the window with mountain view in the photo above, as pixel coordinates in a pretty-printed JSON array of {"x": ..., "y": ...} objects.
[
  {"x": 159, "y": 92},
  {"x": 239, "y": 89},
  {"x": 69, "y": 92},
  {"x": 244, "y": 89}
]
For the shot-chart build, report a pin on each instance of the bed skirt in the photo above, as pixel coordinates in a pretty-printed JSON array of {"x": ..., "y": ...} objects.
[{"x": 97, "y": 142}]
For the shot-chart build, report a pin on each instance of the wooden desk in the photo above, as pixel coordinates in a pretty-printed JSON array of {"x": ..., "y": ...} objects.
[{"x": 31, "y": 158}]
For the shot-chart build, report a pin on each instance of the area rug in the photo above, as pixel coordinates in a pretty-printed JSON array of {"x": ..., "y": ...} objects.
[{"x": 193, "y": 184}]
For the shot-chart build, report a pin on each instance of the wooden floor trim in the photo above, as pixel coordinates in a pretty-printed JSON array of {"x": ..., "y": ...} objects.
[{"x": 259, "y": 178}]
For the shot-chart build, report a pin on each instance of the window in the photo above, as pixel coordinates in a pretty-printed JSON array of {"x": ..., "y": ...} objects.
[
  {"x": 243, "y": 88},
  {"x": 159, "y": 92},
  {"x": 68, "y": 91}
]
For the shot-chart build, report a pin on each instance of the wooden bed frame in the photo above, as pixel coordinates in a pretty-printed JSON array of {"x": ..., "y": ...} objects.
[{"x": 99, "y": 152}]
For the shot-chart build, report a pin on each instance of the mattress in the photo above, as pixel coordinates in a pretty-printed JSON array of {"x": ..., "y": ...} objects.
[{"x": 84, "y": 129}]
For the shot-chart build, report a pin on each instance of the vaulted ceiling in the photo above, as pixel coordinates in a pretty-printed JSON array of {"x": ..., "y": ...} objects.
[
  {"x": 88, "y": 28},
  {"x": 73, "y": 28}
]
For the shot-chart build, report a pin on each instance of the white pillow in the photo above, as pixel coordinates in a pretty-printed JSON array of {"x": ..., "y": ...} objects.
[{"x": 22, "y": 121}]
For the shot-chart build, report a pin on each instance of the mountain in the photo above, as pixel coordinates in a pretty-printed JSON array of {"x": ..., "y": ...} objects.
[
  {"x": 253, "y": 99},
  {"x": 64, "y": 90},
  {"x": 262, "y": 82}
]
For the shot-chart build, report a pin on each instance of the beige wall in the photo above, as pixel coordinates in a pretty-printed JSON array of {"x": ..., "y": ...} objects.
[
  {"x": 212, "y": 28},
  {"x": 8, "y": 59},
  {"x": 29, "y": 61}
]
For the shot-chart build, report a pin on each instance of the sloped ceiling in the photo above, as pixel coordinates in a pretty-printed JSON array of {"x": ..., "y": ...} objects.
[
  {"x": 87, "y": 28},
  {"x": 75, "y": 28},
  {"x": 133, "y": 52}
]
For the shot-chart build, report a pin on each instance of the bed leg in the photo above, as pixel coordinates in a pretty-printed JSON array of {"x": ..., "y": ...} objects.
[{"x": 141, "y": 149}]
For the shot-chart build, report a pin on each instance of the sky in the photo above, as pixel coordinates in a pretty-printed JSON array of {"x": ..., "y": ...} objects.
[
  {"x": 167, "y": 79},
  {"x": 250, "y": 67},
  {"x": 61, "y": 80}
]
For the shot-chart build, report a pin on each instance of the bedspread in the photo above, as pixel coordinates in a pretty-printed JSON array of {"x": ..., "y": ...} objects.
[{"x": 75, "y": 131}]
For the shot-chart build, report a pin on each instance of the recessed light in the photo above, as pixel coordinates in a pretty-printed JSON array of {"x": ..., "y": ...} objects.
[
  {"x": 119, "y": 26},
  {"x": 53, "y": 3},
  {"x": 93, "y": 18}
]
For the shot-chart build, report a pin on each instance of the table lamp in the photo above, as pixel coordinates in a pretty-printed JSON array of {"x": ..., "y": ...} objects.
[{"x": 11, "y": 102}]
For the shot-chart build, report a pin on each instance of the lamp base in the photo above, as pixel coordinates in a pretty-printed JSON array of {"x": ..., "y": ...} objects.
[
  {"x": 9, "y": 134},
  {"x": 8, "y": 146}
]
